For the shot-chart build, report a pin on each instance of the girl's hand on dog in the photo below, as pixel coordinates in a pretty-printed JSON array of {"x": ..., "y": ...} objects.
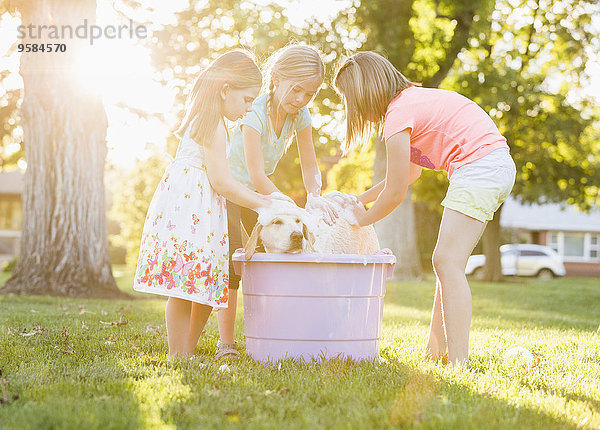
[
  {"x": 327, "y": 208},
  {"x": 280, "y": 196},
  {"x": 343, "y": 199}
]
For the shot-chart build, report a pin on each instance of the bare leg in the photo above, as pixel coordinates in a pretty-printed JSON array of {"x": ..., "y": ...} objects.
[
  {"x": 226, "y": 319},
  {"x": 198, "y": 318},
  {"x": 436, "y": 345},
  {"x": 457, "y": 237},
  {"x": 177, "y": 317}
]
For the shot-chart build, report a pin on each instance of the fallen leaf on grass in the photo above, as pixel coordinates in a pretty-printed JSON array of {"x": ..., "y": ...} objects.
[
  {"x": 530, "y": 361},
  {"x": 122, "y": 321},
  {"x": 232, "y": 417},
  {"x": 111, "y": 340},
  {"x": 37, "y": 329},
  {"x": 535, "y": 367},
  {"x": 83, "y": 310},
  {"x": 32, "y": 333},
  {"x": 66, "y": 349}
]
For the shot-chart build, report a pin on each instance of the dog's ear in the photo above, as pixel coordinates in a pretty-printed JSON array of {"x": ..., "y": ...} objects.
[
  {"x": 253, "y": 241},
  {"x": 309, "y": 237}
]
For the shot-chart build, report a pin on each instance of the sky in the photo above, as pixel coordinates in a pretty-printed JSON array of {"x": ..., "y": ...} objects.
[{"x": 120, "y": 71}]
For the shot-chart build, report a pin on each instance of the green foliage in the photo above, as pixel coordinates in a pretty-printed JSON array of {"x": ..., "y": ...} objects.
[
  {"x": 98, "y": 364},
  {"x": 525, "y": 73},
  {"x": 509, "y": 66},
  {"x": 9, "y": 266},
  {"x": 353, "y": 174},
  {"x": 215, "y": 27},
  {"x": 207, "y": 29}
]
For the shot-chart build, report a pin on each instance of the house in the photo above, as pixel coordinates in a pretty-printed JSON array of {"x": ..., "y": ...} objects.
[
  {"x": 11, "y": 216},
  {"x": 11, "y": 213},
  {"x": 575, "y": 235}
]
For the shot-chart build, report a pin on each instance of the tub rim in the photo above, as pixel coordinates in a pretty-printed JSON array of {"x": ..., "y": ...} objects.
[{"x": 315, "y": 258}]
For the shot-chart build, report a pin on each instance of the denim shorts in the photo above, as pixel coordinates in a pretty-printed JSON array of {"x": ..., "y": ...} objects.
[{"x": 479, "y": 188}]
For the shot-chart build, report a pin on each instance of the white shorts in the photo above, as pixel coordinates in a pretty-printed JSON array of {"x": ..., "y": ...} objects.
[{"x": 479, "y": 188}]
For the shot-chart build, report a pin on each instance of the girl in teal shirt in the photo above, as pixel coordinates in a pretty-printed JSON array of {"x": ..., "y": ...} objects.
[{"x": 294, "y": 75}]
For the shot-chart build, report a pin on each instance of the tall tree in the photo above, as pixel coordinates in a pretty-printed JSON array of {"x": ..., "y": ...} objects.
[{"x": 64, "y": 246}]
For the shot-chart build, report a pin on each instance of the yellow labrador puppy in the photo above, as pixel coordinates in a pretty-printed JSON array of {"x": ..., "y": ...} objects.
[
  {"x": 293, "y": 230},
  {"x": 285, "y": 232}
]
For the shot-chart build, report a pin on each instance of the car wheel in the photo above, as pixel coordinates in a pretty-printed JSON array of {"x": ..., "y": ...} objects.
[
  {"x": 545, "y": 274},
  {"x": 477, "y": 274}
]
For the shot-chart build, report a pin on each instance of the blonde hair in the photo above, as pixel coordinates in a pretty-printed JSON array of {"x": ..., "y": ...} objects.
[
  {"x": 367, "y": 82},
  {"x": 297, "y": 63},
  {"x": 203, "y": 107}
]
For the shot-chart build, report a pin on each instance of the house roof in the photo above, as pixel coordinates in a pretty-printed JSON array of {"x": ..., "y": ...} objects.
[
  {"x": 550, "y": 216},
  {"x": 11, "y": 182}
]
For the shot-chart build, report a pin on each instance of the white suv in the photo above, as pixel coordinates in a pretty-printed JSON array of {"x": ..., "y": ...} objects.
[{"x": 522, "y": 260}]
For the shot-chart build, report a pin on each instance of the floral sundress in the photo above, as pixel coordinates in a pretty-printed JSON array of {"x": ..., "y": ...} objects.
[{"x": 184, "y": 249}]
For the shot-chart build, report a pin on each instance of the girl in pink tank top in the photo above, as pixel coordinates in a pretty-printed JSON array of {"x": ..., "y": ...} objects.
[{"x": 440, "y": 130}]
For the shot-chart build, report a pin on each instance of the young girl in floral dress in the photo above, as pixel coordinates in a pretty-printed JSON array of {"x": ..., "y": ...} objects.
[{"x": 184, "y": 248}]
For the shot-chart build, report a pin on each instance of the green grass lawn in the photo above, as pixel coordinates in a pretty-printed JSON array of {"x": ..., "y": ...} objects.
[{"x": 85, "y": 364}]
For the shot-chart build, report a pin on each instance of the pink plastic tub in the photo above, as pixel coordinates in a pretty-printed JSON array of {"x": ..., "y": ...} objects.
[{"x": 308, "y": 306}]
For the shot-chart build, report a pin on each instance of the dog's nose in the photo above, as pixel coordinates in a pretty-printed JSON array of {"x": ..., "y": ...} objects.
[{"x": 296, "y": 236}]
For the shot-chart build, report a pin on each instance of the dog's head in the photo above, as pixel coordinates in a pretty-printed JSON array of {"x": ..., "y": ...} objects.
[{"x": 284, "y": 232}]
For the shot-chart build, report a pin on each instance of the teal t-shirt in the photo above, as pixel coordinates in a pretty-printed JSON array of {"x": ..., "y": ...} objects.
[{"x": 273, "y": 147}]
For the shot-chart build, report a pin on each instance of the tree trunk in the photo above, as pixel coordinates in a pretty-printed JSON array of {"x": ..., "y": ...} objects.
[
  {"x": 492, "y": 270},
  {"x": 397, "y": 231},
  {"x": 64, "y": 245}
]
